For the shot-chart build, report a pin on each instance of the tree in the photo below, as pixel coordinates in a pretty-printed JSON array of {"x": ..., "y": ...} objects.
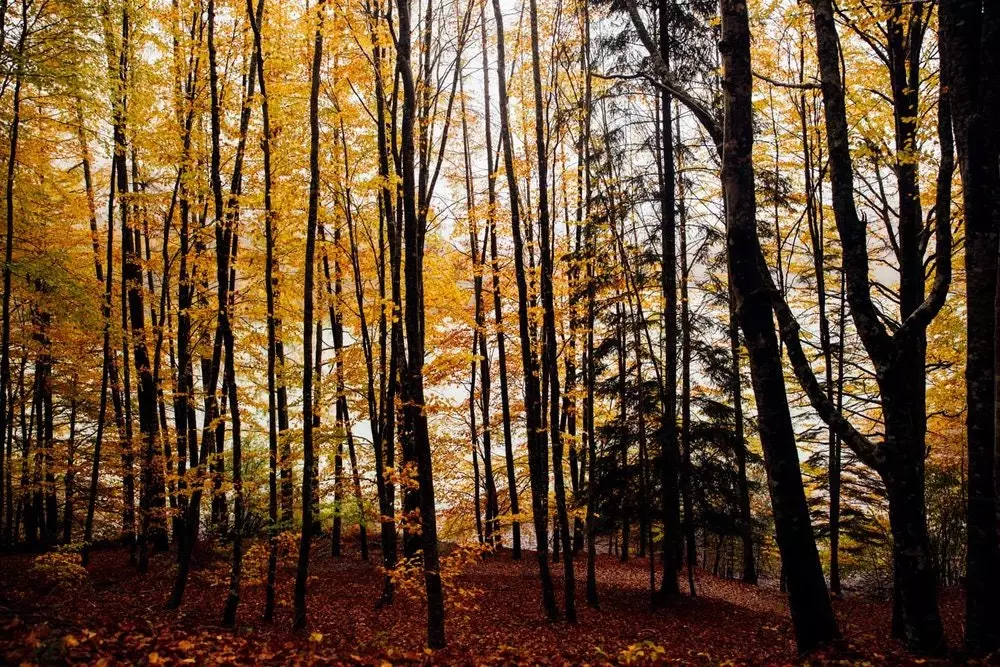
[
  {"x": 9, "y": 234},
  {"x": 969, "y": 56},
  {"x": 302, "y": 572},
  {"x": 413, "y": 382},
  {"x": 812, "y": 614},
  {"x": 898, "y": 357},
  {"x": 537, "y": 454},
  {"x": 549, "y": 357}
]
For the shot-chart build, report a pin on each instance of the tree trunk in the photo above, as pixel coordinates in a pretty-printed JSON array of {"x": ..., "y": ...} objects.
[
  {"x": 413, "y": 380},
  {"x": 812, "y": 615},
  {"x": 337, "y": 318},
  {"x": 740, "y": 446},
  {"x": 550, "y": 358},
  {"x": 898, "y": 358},
  {"x": 383, "y": 429},
  {"x": 153, "y": 527},
  {"x": 537, "y": 455},
  {"x": 302, "y": 572},
  {"x": 969, "y": 54},
  {"x": 270, "y": 288},
  {"x": 15, "y": 126},
  {"x": 497, "y": 309},
  {"x": 69, "y": 480},
  {"x": 669, "y": 450},
  {"x": 686, "y": 495}
]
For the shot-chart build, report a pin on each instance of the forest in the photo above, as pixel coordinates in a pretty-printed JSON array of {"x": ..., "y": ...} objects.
[{"x": 488, "y": 332}]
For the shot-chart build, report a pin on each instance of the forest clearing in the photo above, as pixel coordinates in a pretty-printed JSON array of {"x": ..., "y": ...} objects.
[{"x": 485, "y": 331}]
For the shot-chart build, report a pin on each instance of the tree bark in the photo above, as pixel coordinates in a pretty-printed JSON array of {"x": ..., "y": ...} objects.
[
  {"x": 270, "y": 289},
  {"x": 550, "y": 357}
]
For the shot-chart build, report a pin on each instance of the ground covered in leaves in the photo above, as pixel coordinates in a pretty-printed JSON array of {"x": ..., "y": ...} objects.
[{"x": 52, "y": 613}]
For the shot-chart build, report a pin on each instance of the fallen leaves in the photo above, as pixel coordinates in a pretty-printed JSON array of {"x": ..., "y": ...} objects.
[{"x": 494, "y": 617}]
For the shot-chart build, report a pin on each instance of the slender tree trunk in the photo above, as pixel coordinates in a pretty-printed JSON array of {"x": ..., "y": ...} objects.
[
  {"x": 497, "y": 308},
  {"x": 227, "y": 275},
  {"x": 69, "y": 480},
  {"x": 318, "y": 435},
  {"x": 670, "y": 452},
  {"x": 814, "y": 219},
  {"x": 474, "y": 440},
  {"x": 590, "y": 241},
  {"x": 108, "y": 367},
  {"x": 334, "y": 292},
  {"x": 537, "y": 455},
  {"x": 413, "y": 383},
  {"x": 153, "y": 528},
  {"x": 624, "y": 510},
  {"x": 550, "y": 359},
  {"x": 343, "y": 413},
  {"x": 686, "y": 494},
  {"x": 270, "y": 289},
  {"x": 185, "y": 421},
  {"x": 302, "y": 572},
  {"x": 15, "y": 126},
  {"x": 739, "y": 445},
  {"x": 383, "y": 427}
]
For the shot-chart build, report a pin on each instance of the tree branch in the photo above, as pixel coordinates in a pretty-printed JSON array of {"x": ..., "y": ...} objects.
[
  {"x": 789, "y": 328},
  {"x": 918, "y": 320},
  {"x": 700, "y": 111},
  {"x": 783, "y": 84}
]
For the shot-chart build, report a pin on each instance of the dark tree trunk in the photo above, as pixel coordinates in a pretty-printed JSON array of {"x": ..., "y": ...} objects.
[
  {"x": 814, "y": 219},
  {"x": 343, "y": 413},
  {"x": 153, "y": 526},
  {"x": 473, "y": 438},
  {"x": 390, "y": 336},
  {"x": 497, "y": 309},
  {"x": 590, "y": 242},
  {"x": 338, "y": 466},
  {"x": 970, "y": 56},
  {"x": 334, "y": 291},
  {"x": 739, "y": 445},
  {"x": 413, "y": 380},
  {"x": 185, "y": 422},
  {"x": 898, "y": 358},
  {"x": 550, "y": 359},
  {"x": 270, "y": 288},
  {"x": 812, "y": 615},
  {"x": 227, "y": 280},
  {"x": 537, "y": 454},
  {"x": 384, "y": 436},
  {"x": 479, "y": 347},
  {"x": 108, "y": 368},
  {"x": 15, "y": 126},
  {"x": 669, "y": 450},
  {"x": 69, "y": 480},
  {"x": 691, "y": 554},
  {"x": 302, "y": 572}
]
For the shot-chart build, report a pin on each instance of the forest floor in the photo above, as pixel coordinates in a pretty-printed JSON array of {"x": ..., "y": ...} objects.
[{"x": 114, "y": 615}]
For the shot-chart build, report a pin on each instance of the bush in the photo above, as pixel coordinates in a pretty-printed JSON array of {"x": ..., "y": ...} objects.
[{"x": 59, "y": 569}]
